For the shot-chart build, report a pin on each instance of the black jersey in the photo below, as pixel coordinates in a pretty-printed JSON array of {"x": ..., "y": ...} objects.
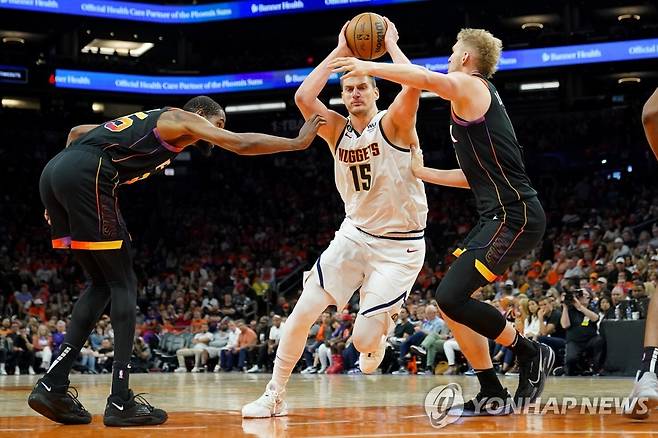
[
  {"x": 492, "y": 160},
  {"x": 133, "y": 145}
]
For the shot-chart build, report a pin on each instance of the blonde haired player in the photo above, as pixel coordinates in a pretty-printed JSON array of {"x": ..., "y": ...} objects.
[
  {"x": 511, "y": 219},
  {"x": 380, "y": 245}
]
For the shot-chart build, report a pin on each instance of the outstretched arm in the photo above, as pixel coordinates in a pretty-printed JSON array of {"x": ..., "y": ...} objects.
[
  {"x": 650, "y": 121},
  {"x": 306, "y": 97},
  {"x": 192, "y": 127},
  {"x": 400, "y": 120},
  {"x": 77, "y": 132},
  {"x": 449, "y": 178},
  {"x": 448, "y": 86}
]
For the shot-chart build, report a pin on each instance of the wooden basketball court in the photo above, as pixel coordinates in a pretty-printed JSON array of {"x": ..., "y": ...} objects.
[{"x": 202, "y": 405}]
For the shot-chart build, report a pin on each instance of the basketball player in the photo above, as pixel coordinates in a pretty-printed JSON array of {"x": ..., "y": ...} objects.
[
  {"x": 379, "y": 247},
  {"x": 78, "y": 188},
  {"x": 511, "y": 222},
  {"x": 646, "y": 383}
]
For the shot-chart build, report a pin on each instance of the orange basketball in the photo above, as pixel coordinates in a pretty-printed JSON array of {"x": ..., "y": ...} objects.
[{"x": 365, "y": 35}]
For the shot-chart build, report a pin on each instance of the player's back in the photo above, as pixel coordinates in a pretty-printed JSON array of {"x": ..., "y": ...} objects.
[
  {"x": 491, "y": 157},
  {"x": 375, "y": 181},
  {"x": 132, "y": 144}
]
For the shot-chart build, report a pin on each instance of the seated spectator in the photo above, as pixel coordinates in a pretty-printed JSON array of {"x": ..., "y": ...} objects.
[
  {"x": 42, "y": 342},
  {"x": 226, "y": 352},
  {"x": 200, "y": 343},
  {"x": 58, "y": 336},
  {"x": 105, "y": 356},
  {"x": 6, "y": 345},
  {"x": 551, "y": 331},
  {"x": 449, "y": 348},
  {"x": 247, "y": 339},
  {"x": 96, "y": 337},
  {"x": 403, "y": 328},
  {"x": 22, "y": 353},
  {"x": 431, "y": 324},
  {"x": 582, "y": 333},
  {"x": 605, "y": 309},
  {"x": 335, "y": 345},
  {"x": 318, "y": 335},
  {"x": 640, "y": 300},
  {"x": 88, "y": 358},
  {"x": 220, "y": 338},
  {"x": 140, "y": 360},
  {"x": 430, "y": 347},
  {"x": 618, "y": 302},
  {"x": 267, "y": 351}
]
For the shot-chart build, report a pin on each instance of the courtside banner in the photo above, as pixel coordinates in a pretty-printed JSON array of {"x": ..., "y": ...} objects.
[
  {"x": 510, "y": 60},
  {"x": 169, "y": 14}
]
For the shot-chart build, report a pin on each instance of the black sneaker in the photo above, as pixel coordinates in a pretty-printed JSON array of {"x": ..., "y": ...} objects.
[
  {"x": 135, "y": 411},
  {"x": 58, "y": 403},
  {"x": 532, "y": 375},
  {"x": 484, "y": 405}
]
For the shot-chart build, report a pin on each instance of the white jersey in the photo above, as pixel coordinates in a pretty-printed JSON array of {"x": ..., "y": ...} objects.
[{"x": 382, "y": 196}]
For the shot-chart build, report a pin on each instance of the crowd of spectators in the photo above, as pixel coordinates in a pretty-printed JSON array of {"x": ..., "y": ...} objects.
[{"x": 213, "y": 245}]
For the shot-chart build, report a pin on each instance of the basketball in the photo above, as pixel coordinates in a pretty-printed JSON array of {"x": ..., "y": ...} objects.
[{"x": 365, "y": 35}]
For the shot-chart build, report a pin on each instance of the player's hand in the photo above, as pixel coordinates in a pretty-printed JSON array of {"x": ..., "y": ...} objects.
[
  {"x": 46, "y": 216},
  {"x": 391, "y": 37},
  {"x": 309, "y": 131},
  {"x": 342, "y": 46},
  {"x": 417, "y": 162},
  {"x": 351, "y": 66}
]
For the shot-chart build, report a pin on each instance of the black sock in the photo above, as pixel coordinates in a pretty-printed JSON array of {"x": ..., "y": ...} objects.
[
  {"x": 523, "y": 347},
  {"x": 58, "y": 374},
  {"x": 120, "y": 380},
  {"x": 649, "y": 361},
  {"x": 489, "y": 381}
]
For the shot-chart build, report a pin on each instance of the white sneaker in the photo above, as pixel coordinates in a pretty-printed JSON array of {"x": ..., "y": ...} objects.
[
  {"x": 309, "y": 370},
  {"x": 322, "y": 370},
  {"x": 31, "y": 371},
  {"x": 196, "y": 370},
  {"x": 253, "y": 369},
  {"x": 3, "y": 372},
  {"x": 17, "y": 372},
  {"x": 217, "y": 369},
  {"x": 270, "y": 404},
  {"x": 180, "y": 370},
  {"x": 645, "y": 388},
  {"x": 369, "y": 362}
]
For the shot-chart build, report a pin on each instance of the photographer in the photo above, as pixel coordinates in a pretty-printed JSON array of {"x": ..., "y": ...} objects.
[{"x": 582, "y": 334}]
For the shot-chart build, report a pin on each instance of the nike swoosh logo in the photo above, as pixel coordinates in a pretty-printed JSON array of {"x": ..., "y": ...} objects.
[
  {"x": 412, "y": 250},
  {"x": 117, "y": 406},
  {"x": 538, "y": 369},
  {"x": 46, "y": 386}
]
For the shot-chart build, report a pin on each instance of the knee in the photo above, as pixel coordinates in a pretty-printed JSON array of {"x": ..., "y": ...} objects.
[
  {"x": 448, "y": 300},
  {"x": 366, "y": 343}
]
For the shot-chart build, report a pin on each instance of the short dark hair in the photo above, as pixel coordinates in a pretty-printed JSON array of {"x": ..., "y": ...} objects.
[{"x": 205, "y": 105}]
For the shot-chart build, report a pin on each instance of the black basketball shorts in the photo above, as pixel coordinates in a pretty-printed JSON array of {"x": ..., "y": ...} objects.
[{"x": 77, "y": 188}]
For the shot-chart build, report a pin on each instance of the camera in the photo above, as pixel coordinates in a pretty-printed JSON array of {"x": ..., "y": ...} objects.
[{"x": 570, "y": 294}]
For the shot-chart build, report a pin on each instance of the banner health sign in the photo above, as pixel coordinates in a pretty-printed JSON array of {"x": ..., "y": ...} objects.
[
  {"x": 186, "y": 14},
  {"x": 511, "y": 60}
]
